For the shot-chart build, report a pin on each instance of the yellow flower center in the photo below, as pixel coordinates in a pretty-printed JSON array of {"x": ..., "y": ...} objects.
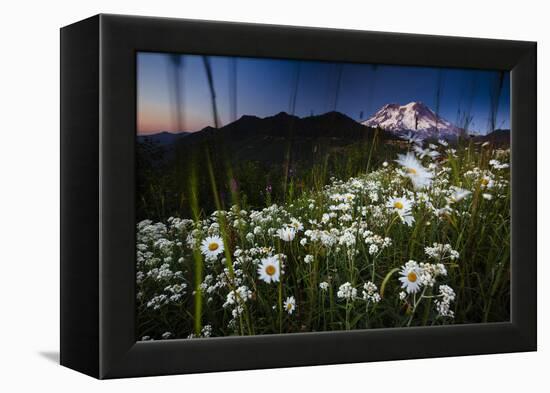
[
  {"x": 213, "y": 246},
  {"x": 411, "y": 171},
  {"x": 484, "y": 181},
  {"x": 270, "y": 270},
  {"x": 398, "y": 205},
  {"x": 289, "y": 306},
  {"x": 411, "y": 277}
]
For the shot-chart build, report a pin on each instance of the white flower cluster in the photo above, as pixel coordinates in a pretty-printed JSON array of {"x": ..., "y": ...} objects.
[
  {"x": 440, "y": 252},
  {"x": 347, "y": 291},
  {"x": 429, "y": 272},
  {"x": 498, "y": 165},
  {"x": 238, "y": 297},
  {"x": 370, "y": 292},
  {"x": 443, "y": 305},
  {"x": 206, "y": 331},
  {"x": 177, "y": 291},
  {"x": 376, "y": 243},
  {"x": 157, "y": 301},
  {"x": 163, "y": 273}
]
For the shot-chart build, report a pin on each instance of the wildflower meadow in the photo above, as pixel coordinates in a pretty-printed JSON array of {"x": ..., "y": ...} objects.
[{"x": 419, "y": 238}]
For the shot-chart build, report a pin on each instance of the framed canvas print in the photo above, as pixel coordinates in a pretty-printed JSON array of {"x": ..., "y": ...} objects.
[{"x": 238, "y": 196}]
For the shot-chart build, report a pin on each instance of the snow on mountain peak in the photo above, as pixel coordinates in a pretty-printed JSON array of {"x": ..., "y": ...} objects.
[{"x": 415, "y": 117}]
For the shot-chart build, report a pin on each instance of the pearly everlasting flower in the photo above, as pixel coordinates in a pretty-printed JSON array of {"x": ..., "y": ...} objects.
[
  {"x": 373, "y": 249},
  {"x": 206, "y": 331},
  {"x": 347, "y": 291},
  {"x": 324, "y": 286},
  {"x": 347, "y": 239},
  {"x": 308, "y": 258},
  {"x": 429, "y": 273},
  {"x": 157, "y": 302},
  {"x": 440, "y": 252},
  {"x": 443, "y": 305},
  {"x": 370, "y": 292},
  {"x": 238, "y": 297},
  {"x": 497, "y": 165}
]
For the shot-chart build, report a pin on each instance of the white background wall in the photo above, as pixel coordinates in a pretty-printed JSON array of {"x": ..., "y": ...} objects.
[{"x": 29, "y": 193}]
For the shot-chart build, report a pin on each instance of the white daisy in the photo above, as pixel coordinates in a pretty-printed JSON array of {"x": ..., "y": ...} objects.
[
  {"x": 297, "y": 225},
  {"x": 290, "y": 304},
  {"x": 402, "y": 206},
  {"x": 287, "y": 234},
  {"x": 414, "y": 170},
  {"x": 426, "y": 152},
  {"x": 412, "y": 139},
  {"x": 212, "y": 246},
  {"x": 269, "y": 269},
  {"x": 458, "y": 195},
  {"x": 410, "y": 277}
]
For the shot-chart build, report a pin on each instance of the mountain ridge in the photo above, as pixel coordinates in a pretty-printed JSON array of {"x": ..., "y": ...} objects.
[
  {"x": 270, "y": 139},
  {"x": 394, "y": 121},
  {"x": 163, "y": 137}
]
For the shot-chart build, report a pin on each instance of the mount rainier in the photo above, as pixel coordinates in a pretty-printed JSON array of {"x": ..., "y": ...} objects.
[{"x": 415, "y": 117}]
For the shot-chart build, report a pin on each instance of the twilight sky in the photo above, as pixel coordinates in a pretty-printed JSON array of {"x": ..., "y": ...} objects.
[{"x": 264, "y": 87}]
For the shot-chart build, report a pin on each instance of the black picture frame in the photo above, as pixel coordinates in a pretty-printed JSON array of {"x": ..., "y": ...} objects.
[{"x": 98, "y": 123}]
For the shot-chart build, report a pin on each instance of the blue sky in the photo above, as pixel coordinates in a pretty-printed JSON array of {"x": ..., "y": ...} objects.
[{"x": 264, "y": 87}]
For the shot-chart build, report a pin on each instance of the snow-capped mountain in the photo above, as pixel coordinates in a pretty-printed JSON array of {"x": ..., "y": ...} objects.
[{"x": 415, "y": 117}]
